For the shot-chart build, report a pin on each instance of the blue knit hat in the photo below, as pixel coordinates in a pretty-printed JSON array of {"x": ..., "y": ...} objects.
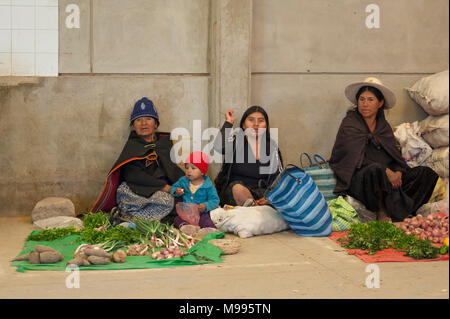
[{"x": 144, "y": 107}]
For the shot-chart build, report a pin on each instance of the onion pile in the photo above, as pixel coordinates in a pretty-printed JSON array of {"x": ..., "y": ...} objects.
[
  {"x": 434, "y": 227},
  {"x": 166, "y": 253}
]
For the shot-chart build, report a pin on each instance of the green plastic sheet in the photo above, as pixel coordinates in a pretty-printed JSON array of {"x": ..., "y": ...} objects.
[{"x": 202, "y": 253}]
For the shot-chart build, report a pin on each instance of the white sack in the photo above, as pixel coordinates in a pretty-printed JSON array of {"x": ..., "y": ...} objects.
[
  {"x": 435, "y": 130},
  {"x": 414, "y": 148},
  {"x": 438, "y": 161},
  {"x": 431, "y": 93},
  {"x": 249, "y": 221}
]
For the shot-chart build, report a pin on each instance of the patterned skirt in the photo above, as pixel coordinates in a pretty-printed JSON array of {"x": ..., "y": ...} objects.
[{"x": 157, "y": 206}]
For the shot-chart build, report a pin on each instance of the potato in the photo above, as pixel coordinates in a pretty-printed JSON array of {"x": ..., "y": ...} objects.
[
  {"x": 119, "y": 256},
  {"x": 96, "y": 260},
  {"x": 76, "y": 261},
  {"x": 97, "y": 252},
  {"x": 42, "y": 248},
  {"x": 50, "y": 257},
  {"x": 22, "y": 257},
  {"x": 34, "y": 258}
]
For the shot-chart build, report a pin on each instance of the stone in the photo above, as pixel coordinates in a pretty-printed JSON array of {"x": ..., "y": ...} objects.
[
  {"x": 58, "y": 222},
  {"x": 52, "y": 207}
]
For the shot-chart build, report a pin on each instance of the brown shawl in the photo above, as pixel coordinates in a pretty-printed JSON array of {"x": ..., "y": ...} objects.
[{"x": 348, "y": 150}]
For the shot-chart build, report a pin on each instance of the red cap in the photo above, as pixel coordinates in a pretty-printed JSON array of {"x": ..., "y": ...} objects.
[{"x": 200, "y": 160}]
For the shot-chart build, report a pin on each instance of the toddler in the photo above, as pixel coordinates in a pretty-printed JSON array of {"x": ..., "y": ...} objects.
[{"x": 197, "y": 188}]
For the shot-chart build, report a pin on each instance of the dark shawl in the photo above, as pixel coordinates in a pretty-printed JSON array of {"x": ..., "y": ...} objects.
[
  {"x": 136, "y": 148},
  {"x": 351, "y": 140}
]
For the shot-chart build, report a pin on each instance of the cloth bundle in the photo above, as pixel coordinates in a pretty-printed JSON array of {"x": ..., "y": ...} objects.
[
  {"x": 249, "y": 221},
  {"x": 344, "y": 215}
]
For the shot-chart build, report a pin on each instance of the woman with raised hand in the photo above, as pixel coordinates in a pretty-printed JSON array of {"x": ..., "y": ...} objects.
[{"x": 252, "y": 159}]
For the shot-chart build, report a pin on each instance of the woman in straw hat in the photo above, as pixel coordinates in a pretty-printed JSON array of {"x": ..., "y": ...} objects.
[{"x": 367, "y": 161}]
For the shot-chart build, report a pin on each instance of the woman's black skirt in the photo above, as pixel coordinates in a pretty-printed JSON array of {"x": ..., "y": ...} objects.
[{"x": 417, "y": 187}]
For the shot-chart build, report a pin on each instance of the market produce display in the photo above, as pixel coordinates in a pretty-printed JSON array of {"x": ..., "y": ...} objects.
[
  {"x": 433, "y": 227},
  {"x": 375, "y": 236},
  {"x": 101, "y": 244}
]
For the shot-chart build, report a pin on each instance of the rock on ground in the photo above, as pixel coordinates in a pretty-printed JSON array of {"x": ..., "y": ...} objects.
[
  {"x": 52, "y": 207},
  {"x": 58, "y": 222}
]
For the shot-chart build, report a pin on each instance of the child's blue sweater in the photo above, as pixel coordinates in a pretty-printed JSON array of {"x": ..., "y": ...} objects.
[{"x": 206, "y": 194}]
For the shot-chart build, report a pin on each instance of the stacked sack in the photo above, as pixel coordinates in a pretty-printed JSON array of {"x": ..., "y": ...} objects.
[{"x": 432, "y": 94}]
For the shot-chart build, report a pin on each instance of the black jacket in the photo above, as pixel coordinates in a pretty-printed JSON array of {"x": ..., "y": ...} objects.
[
  {"x": 228, "y": 144},
  {"x": 143, "y": 175}
]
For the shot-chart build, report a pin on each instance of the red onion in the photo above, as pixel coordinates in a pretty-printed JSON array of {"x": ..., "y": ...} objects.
[{"x": 436, "y": 232}]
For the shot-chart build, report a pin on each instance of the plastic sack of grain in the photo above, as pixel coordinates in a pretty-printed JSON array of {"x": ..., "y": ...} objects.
[
  {"x": 435, "y": 130},
  {"x": 431, "y": 93},
  {"x": 414, "y": 148},
  {"x": 438, "y": 161}
]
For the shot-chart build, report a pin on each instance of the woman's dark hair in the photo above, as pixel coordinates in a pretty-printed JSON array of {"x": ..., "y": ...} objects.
[
  {"x": 373, "y": 90},
  {"x": 251, "y": 110},
  {"x": 156, "y": 121}
]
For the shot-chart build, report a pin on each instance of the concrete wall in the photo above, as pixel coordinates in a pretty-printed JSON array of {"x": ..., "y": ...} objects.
[
  {"x": 195, "y": 59},
  {"x": 304, "y": 54}
]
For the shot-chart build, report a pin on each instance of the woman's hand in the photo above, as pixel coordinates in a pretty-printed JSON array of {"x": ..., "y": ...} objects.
[
  {"x": 394, "y": 177},
  {"x": 166, "y": 188},
  {"x": 201, "y": 208},
  {"x": 229, "y": 116},
  {"x": 261, "y": 201},
  {"x": 179, "y": 191}
]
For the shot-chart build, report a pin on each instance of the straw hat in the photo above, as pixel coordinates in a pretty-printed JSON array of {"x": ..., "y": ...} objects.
[{"x": 389, "y": 96}]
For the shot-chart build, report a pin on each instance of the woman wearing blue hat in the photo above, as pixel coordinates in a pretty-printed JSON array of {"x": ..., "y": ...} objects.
[{"x": 139, "y": 183}]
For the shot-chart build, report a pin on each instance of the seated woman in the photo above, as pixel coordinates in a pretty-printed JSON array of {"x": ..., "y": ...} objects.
[
  {"x": 139, "y": 182},
  {"x": 252, "y": 159},
  {"x": 367, "y": 160}
]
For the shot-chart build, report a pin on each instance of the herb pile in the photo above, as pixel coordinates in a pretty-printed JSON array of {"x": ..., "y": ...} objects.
[
  {"x": 52, "y": 234},
  {"x": 97, "y": 229},
  {"x": 378, "y": 235}
]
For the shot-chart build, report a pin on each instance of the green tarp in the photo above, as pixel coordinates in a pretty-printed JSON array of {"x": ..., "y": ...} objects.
[{"x": 204, "y": 253}]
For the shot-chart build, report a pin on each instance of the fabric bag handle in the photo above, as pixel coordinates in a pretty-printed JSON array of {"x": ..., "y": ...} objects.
[
  {"x": 321, "y": 161},
  {"x": 301, "y": 159},
  {"x": 299, "y": 181},
  {"x": 280, "y": 176}
]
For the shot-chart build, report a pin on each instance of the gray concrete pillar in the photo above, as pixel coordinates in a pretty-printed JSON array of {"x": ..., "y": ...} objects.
[
  {"x": 229, "y": 61},
  {"x": 230, "y": 46}
]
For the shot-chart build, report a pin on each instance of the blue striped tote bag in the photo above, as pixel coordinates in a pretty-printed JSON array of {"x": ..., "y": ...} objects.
[
  {"x": 297, "y": 197},
  {"x": 322, "y": 175}
]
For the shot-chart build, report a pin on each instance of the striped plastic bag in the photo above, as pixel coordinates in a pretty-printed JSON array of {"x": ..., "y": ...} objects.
[
  {"x": 322, "y": 175},
  {"x": 297, "y": 197}
]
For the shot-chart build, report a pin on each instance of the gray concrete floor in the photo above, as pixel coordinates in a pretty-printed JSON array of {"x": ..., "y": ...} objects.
[{"x": 282, "y": 265}]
